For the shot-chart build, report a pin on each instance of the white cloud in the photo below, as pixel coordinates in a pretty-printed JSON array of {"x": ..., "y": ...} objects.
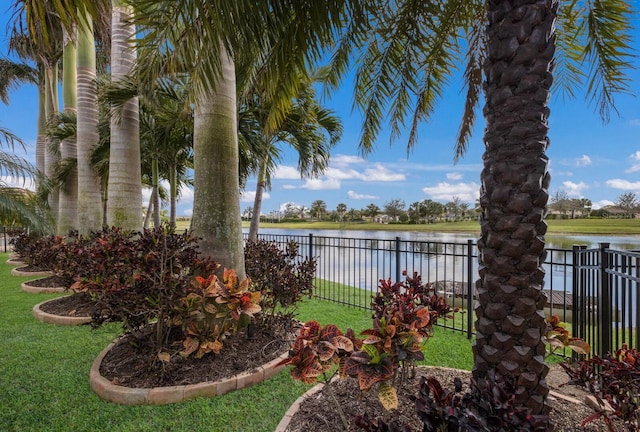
[
  {"x": 602, "y": 203},
  {"x": 634, "y": 122},
  {"x": 187, "y": 212},
  {"x": 623, "y": 184},
  {"x": 574, "y": 189},
  {"x": 250, "y": 196},
  {"x": 319, "y": 184},
  {"x": 342, "y": 160},
  {"x": 381, "y": 173},
  {"x": 454, "y": 176},
  {"x": 285, "y": 172},
  {"x": 354, "y": 195},
  {"x": 343, "y": 174},
  {"x": 467, "y": 192},
  {"x": 583, "y": 161},
  {"x": 636, "y": 166},
  {"x": 289, "y": 187}
]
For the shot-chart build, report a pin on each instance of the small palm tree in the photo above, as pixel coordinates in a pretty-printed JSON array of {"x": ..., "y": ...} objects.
[{"x": 310, "y": 129}]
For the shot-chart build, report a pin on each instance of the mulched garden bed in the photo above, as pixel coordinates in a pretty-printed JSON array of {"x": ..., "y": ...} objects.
[
  {"x": 47, "y": 282},
  {"x": 132, "y": 362},
  {"x": 32, "y": 268},
  {"x": 76, "y": 305}
]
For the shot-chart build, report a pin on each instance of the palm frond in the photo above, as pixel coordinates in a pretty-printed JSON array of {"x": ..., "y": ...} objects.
[
  {"x": 12, "y": 75},
  {"x": 473, "y": 81},
  {"x": 608, "y": 52}
]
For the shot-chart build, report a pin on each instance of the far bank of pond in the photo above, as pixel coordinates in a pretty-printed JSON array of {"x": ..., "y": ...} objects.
[
  {"x": 616, "y": 227},
  {"x": 553, "y": 241}
]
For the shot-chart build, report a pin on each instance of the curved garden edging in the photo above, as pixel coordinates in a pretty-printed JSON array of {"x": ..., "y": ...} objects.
[
  {"x": 108, "y": 391},
  {"x": 293, "y": 409},
  {"x": 48, "y": 318},
  {"x": 18, "y": 272},
  {"x": 40, "y": 290},
  {"x": 16, "y": 262}
]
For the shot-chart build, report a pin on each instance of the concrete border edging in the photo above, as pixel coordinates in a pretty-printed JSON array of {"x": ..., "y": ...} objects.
[
  {"x": 40, "y": 290},
  {"x": 110, "y": 392},
  {"x": 48, "y": 318},
  {"x": 18, "y": 272}
]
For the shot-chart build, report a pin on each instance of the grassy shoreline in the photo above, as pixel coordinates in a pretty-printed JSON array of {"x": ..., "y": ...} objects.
[{"x": 563, "y": 226}]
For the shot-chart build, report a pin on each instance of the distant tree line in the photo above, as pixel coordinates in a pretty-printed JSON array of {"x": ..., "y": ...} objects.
[{"x": 561, "y": 206}]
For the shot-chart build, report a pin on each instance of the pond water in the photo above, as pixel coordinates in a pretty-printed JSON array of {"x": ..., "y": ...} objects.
[{"x": 629, "y": 242}]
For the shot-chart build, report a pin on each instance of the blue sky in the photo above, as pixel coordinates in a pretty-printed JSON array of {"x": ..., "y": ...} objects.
[{"x": 588, "y": 158}]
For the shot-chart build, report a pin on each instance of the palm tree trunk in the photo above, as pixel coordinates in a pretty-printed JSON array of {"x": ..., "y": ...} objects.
[
  {"x": 50, "y": 157},
  {"x": 41, "y": 140},
  {"x": 510, "y": 317},
  {"x": 124, "y": 207},
  {"x": 257, "y": 202},
  {"x": 156, "y": 192},
  {"x": 216, "y": 205},
  {"x": 68, "y": 197},
  {"x": 147, "y": 216},
  {"x": 89, "y": 195},
  {"x": 173, "y": 194}
]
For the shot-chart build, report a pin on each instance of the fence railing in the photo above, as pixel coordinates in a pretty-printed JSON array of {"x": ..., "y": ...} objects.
[
  {"x": 596, "y": 290},
  {"x": 605, "y": 290}
]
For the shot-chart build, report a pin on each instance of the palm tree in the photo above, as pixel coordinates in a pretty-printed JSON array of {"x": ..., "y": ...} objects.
[
  {"x": 89, "y": 216},
  {"x": 124, "y": 194},
  {"x": 207, "y": 37},
  {"x": 68, "y": 195},
  {"x": 37, "y": 35},
  {"x": 18, "y": 204},
  {"x": 409, "y": 51},
  {"x": 305, "y": 127},
  {"x": 318, "y": 208},
  {"x": 341, "y": 209}
]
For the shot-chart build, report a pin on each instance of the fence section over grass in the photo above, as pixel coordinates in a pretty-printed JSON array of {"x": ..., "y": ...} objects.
[
  {"x": 596, "y": 290},
  {"x": 605, "y": 291}
]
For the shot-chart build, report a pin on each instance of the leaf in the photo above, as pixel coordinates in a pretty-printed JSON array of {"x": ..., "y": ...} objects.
[
  {"x": 190, "y": 346},
  {"x": 343, "y": 343},
  {"x": 164, "y": 357},
  {"x": 387, "y": 396}
]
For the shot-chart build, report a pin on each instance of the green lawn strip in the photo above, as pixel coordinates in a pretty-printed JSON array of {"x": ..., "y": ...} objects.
[
  {"x": 556, "y": 226},
  {"x": 44, "y": 374}
]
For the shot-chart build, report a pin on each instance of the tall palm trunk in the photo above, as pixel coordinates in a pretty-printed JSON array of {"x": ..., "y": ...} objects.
[
  {"x": 216, "y": 205},
  {"x": 68, "y": 197},
  {"x": 51, "y": 110},
  {"x": 41, "y": 140},
  {"x": 257, "y": 202},
  {"x": 510, "y": 318},
  {"x": 156, "y": 191},
  {"x": 89, "y": 196},
  {"x": 173, "y": 193},
  {"x": 125, "y": 177}
]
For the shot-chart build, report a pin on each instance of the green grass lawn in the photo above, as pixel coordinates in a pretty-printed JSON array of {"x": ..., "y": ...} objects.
[
  {"x": 556, "y": 226},
  {"x": 44, "y": 375}
]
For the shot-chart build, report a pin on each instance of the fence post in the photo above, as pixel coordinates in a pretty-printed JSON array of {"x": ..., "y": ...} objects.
[
  {"x": 310, "y": 245},
  {"x": 575, "y": 295},
  {"x": 469, "y": 288},
  {"x": 398, "y": 274},
  {"x": 604, "y": 302}
]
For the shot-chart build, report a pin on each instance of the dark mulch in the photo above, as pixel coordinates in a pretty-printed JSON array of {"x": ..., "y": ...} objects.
[
  {"x": 32, "y": 268},
  {"x": 47, "y": 282},
  {"x": 76, "y": 305},
  {"x": 133, "y": 362},
  {"x": 319, "y": 413}
]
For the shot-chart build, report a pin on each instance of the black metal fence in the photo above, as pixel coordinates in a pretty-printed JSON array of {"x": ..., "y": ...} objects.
[{"x": 596, "y": 290}]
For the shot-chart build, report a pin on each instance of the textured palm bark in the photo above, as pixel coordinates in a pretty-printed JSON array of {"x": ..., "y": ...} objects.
[
  {"x": 257, "y": 202},
  {"x": 124, "y": 193},
  {"x": 41, "y": 140},
  {"x": 51, "y": 110},
  {"x": 510, "y": 318},
  {"x": 68, "y": 197},
  {"x": 89, "y": 196},
  {"x": 216, "y": 203}
]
